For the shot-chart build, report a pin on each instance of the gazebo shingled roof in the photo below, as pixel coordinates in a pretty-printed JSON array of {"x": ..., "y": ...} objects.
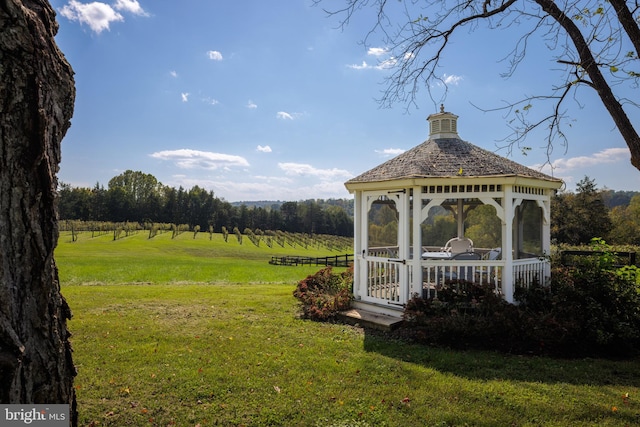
[{"x": 447, "y": 157}]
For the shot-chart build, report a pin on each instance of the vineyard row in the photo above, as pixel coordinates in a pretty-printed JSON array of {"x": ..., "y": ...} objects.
[{"x": 256, "y": 237}]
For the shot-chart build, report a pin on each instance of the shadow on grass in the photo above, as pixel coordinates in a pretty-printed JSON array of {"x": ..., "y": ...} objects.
[{"x": 486, "y": 365}]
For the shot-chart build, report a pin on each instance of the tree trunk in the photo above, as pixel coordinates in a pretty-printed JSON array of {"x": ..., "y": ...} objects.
[{"x": 37, "y": 94}]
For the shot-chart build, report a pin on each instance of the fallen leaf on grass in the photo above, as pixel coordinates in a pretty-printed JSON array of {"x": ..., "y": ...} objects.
[{"x": 276, "y": 388}]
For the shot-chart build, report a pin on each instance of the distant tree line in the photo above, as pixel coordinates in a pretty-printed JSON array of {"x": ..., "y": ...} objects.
[
  {"x": 590, "y": 212},
  {"x": 137, "y": 196}
]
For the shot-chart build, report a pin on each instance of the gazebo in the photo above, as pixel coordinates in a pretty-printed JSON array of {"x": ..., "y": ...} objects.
[{"x": 446, "y": 174}]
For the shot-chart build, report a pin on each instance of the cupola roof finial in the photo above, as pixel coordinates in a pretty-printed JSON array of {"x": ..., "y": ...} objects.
[{"x": 442, "y": 108}]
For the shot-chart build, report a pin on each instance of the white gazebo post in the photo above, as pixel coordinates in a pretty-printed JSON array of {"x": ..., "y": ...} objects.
[
  {"x": 404, "y": 242},
  {"x": 359, "y": 243},
  {"x": 545, "y": 205},
  {"x": 416, "y": 260},
  {"x": 507, "y": 245}
]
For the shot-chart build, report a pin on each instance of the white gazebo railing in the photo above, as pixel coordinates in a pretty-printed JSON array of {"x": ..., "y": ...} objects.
[
  {"x": 529, "y": 271},
  {"x": 383, "y": 280},
  {"x": 385, "y": 275},
  {"x": 481, "y": 272},
  {"x": 388, "y": 279}
]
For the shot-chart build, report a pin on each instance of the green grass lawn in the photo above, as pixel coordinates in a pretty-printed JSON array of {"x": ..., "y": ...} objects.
[
  {"x": 137, "y": 259},
  {"x": 185, "y": 333}
]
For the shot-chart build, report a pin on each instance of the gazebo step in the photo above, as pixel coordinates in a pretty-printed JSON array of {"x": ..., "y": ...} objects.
[{"x": 358, "y": 316}]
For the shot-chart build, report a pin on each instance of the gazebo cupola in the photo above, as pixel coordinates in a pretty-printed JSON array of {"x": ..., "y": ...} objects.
[
  {"x": 443, "y": 125},
  {"x": 446, "y": 175}
]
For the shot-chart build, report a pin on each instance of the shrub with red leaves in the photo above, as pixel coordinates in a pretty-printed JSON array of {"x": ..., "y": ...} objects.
[{"x": 323, "y": 294}]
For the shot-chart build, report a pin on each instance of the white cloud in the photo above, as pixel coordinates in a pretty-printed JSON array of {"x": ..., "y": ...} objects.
[
  {"x": 210, "y": 101},
  {"x": 98, "y": 16},
  {"x": 377, "y": 51},
  {"x": 185, "y": 96},
  {"x": 280, "y": 180},
  {"x": 173, "y": 73},
  {"x": 387, "y": 63},
  {"x": 301, "y": 169},
  {"x": 247, "y": 190},
  {"x": 194, "y": 159},
  {"x": 389, "y": 152},
  {"x": 265, "y": 149},
  {"x": 452, "y": 79},
  {"x": 284, "y": 115},
  {"x": 327, "y": 190},
  {"x": 363, "y": 66},
  {"x": 131, "y": 6},
  {"x": 214, "y": 55},
  {"x": 382, "y": 65},
  {"x": 564, "y": 166},
  {"x": 251, "y": 105},
  {"x": 234, "y": 190},
  {"x": 265, "y": 188}
]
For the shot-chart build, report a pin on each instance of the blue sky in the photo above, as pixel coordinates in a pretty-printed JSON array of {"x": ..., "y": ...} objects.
[{"x": 260, "y": 100}]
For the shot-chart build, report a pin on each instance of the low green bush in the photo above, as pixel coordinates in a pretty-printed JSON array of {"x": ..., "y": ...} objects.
[
  {"x": 590, "y": 309},
  {"x": 465, "y": 315},
  {"x": 323, "y": 294}
]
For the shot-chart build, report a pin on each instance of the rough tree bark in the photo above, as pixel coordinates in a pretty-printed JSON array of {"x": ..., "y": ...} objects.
[{"x": 37, "y": 95}]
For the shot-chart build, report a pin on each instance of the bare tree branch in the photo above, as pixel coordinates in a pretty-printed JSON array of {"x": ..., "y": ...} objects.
[
  {"x": 587, "y": 38},
  {"x": 629, "y": 24},
  {"x": 589, "y": 64}
]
